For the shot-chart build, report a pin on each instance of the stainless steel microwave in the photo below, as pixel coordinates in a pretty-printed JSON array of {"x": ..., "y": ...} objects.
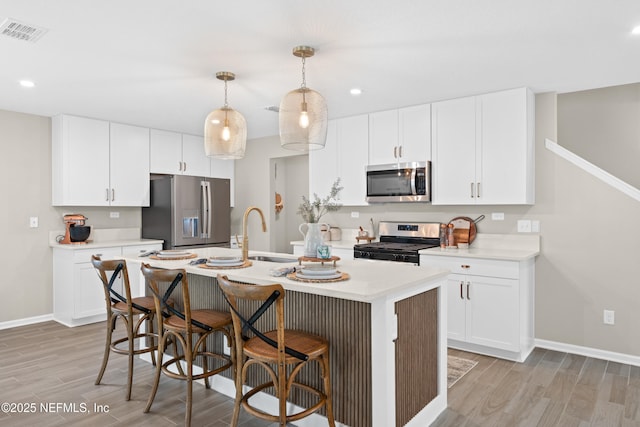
[{"x": 399, "y": 182}]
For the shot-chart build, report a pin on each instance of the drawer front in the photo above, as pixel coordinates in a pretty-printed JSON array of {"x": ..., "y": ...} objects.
[
  {"x": 84, "y": 255},
  {"x": 473, "y": 266}
]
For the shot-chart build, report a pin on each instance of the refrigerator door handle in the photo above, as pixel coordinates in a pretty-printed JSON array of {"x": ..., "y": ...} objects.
[
  {"x": 209, "y": 208},
  {"x": 206, "y": 209}
]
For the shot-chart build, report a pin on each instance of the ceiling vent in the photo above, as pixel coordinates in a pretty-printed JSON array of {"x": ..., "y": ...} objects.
[{"x": 20, "y": 31}]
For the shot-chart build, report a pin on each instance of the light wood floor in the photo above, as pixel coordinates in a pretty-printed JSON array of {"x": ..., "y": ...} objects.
[
  {"x": 50, "y": 363},
  {"x": 548, "y": 389}
]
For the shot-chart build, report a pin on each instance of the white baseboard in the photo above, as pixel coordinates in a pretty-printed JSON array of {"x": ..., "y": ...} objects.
[
  {"x": 27, "y": 321},
  {"x": 589, "y": 352}
]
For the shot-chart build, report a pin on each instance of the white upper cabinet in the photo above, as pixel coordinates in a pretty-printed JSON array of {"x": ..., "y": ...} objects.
[
  {"x": 166, "y": 152},
  {"x": 323, "y": 163},
  {"x": 178, "y": 154},
  {"x": 344, "y": 156},
  {"x": 99, "y": 164},
  {"x": 483, "y": 149},
  {"x": 196, "y": 162},
  {"x": 401, "y": 135},
  {"x": 353, "y": 142},
  {"x": 129, "y": 165}
]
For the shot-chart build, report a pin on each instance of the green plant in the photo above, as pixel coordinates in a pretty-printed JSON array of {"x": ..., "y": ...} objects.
[{"x": 313, "y": 211}]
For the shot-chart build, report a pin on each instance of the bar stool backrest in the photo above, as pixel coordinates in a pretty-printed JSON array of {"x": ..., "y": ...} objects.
[{"x": 108, "y": 271}]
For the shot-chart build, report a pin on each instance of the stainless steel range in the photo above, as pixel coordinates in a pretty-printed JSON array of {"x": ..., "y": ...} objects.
[{"x": 400, "y": 241}]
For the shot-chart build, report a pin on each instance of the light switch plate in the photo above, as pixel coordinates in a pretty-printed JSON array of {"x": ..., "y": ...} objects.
[
  {"x": 33, "y": 222},
  {"x": 355, "y": 214},
  {"x": 114, "y": 214},
  {"x": 497, "y": 216}
]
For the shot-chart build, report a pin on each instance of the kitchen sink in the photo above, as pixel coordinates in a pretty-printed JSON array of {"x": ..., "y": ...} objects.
[{"x": 269, "y": 258}]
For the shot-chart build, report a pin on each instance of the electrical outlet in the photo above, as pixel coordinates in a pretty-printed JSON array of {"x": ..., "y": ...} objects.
[
  {"x": 497, "y": 216},
  {"x": 609, "y": 317},
  {"x": 114, "y": 214},
  {"x": 524, "y": 226},
  {"x": 355, "y": 214},
  {"x": 33, "y": 222}
]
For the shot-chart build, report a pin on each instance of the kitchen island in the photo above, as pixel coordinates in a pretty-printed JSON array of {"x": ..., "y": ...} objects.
[{"x": 386, "y": 326}]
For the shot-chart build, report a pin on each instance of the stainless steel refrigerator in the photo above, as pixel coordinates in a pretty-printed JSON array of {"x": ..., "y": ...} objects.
[{"x": 188, "y": 211}]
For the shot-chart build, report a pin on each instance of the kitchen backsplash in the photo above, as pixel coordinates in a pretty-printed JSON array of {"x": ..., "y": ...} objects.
[{"x": 421, "y": 212}]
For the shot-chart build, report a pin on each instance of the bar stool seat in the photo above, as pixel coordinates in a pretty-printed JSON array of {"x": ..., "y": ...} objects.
[{"x": 313, "y": 346}]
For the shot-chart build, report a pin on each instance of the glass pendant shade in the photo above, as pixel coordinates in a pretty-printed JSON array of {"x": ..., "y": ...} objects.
[
  {"x": 303, "y": 113},
  {"x": 225, "y": 134},
  {"x": 301, "y": 128},
  {"x": 225, "y": 129}
]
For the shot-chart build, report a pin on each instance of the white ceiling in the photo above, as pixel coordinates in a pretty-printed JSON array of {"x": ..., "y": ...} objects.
[{"x": 152, "y": 62}]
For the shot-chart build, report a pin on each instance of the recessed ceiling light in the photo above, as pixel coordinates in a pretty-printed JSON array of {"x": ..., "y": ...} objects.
[
  {"x": 636, "y": 30},
  {"x": 355, "y": 91},
  {"x": 27, "y": 83}
]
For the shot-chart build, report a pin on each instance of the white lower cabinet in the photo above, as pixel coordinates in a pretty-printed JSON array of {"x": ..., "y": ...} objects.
[
  {"x": 78, "y": 296},
  {"x": 489, "y": 304}
]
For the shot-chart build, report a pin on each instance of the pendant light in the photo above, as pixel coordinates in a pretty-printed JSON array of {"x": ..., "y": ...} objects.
[
  {"x": 225, "y": 130},
  {"x": 303, "y": 113}
]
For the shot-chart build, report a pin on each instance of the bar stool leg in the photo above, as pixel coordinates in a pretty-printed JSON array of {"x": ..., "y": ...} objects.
[
  {"x": 129, "y": 322},
  {"x": 107, "y": 347},
  {"x": 156, "y": 379},
  {"x": 188, "y": 356},
  {"x": 327, "y": 388}
]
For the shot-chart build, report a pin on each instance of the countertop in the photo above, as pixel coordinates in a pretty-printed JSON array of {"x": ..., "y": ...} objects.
[
  {"x": 507, "y": 247},
  {"x": 369, "y": 280},
  {"x": 104, "y": 238}
]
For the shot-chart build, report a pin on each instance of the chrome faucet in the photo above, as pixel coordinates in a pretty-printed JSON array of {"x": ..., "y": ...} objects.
[{"x": 245, "y": 236}]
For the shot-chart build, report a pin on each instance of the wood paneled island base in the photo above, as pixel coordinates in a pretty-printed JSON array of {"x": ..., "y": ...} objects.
[{"x": 388, "y": 351}]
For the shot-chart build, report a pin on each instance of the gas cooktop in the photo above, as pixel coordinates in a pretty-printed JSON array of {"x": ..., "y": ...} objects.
[{"x": 400, "y": 241}]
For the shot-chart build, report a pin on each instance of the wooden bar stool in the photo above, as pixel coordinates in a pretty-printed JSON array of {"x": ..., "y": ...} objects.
[
  {"x": 190, "y": 328},
  {"x": 289, "y": 350},
  {"x": 125, "y": 308}
]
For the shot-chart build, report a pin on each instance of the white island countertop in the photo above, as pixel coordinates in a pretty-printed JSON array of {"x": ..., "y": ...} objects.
[{"x": 369, "y": 280}]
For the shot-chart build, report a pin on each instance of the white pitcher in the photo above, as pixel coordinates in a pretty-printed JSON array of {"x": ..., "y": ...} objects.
[{"x": 312, "y": 238}]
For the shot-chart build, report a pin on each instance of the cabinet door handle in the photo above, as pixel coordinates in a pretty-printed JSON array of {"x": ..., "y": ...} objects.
[
  {"x": 400, "y": 151},
  {"x": 465, "y": 266},
  {"x": 395, "y": 152},
  {"x": 468, "y": 285},
  {"x": 107, "y": 195},
  {"x": 180, "y": 166},
  {"x": 478, "y": 189},
  {"x": 113, "y": 194},
  {"x": 472, "y": 196},
  {"x": 185, "y": 166},
  {"x": 461, "y": 294}
]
